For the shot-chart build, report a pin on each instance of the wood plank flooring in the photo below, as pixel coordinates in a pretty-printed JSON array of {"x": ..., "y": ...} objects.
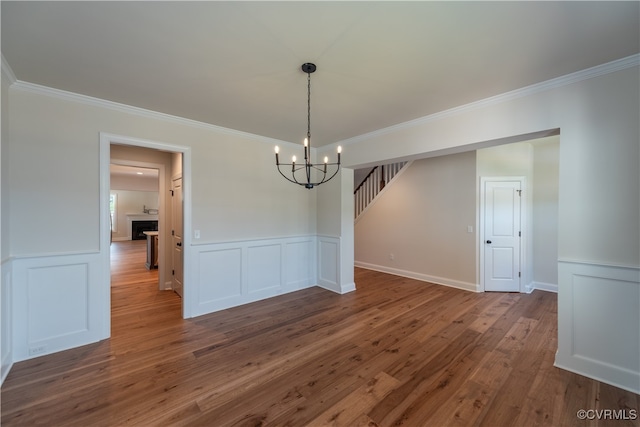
[{"x": 394, "y": 352}]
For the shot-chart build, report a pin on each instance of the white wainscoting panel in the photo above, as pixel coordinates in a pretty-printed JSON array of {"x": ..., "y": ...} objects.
[
  {"x": 233, "y": 273},
  {"x": 264, "y": 268},
  {"x": 299, "y": 266},
  {"x": 219, "y": 275},
  {"x": 44, "y": 284},
  {"x": 329, "y": 263},
  {"x": 599, "y": 322},
  {"x": 7, "y": 321},
  {"x": 56, "y": 303}
]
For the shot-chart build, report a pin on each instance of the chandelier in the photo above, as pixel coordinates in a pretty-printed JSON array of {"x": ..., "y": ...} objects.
[{"x": 308, "y": 166}]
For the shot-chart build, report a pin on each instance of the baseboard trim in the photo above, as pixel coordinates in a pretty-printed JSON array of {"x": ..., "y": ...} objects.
[
  {"x": 608, "y": 374},
  {"x": 466, "y": 286},
  {"x": 542, "y": 286},
  {"x": 6, "y": 368}
]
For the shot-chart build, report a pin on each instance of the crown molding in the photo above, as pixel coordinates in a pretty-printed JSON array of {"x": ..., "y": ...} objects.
[
  {"x": 589, "y": 73},
  {"x": 578, "y": 76},
  {"x": 142, "y": 112},
  {"x": 8, "y": 72}
]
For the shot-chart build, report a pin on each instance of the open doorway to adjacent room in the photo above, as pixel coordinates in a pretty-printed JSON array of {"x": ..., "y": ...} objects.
[{"x": 139, "y": 218}]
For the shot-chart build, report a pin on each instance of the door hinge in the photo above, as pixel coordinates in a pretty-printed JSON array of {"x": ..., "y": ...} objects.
[
  {"x": 173, "y": 272},
  {"x": 519, "y": 274},
  {"x": 171, "y": 193},
  {"x": 519, "y": 193},
  {"x": 173, "y": 232},
  {"x": 519, "y": 233}
]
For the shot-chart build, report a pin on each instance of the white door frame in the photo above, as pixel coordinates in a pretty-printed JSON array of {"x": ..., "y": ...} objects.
[
  {"x": 523, "y": 227},
  {"x": 106, "y": 139},
  {"x": 172, "y": 226}
]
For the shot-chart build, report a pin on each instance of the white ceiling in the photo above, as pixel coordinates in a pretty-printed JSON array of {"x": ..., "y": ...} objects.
[
  {"x": 237, "y": 64},
  {"x": 133, "y": 171}
]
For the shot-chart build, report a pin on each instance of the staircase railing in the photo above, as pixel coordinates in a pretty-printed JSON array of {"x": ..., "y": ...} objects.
[{"x": 373, "y": 183}]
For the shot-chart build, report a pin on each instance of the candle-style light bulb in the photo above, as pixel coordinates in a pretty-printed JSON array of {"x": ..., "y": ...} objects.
[
  {"x": 306, "y": 142},
  {"x": 277, "y": 159},
  {"x": 326, "y": 159},
  {"x": 339, "y": 149},
  {"x": 277, "y": 149},
  {"x": 293, "y": 159}
]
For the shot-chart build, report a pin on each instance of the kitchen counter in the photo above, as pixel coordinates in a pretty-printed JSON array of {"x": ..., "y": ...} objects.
[{"x": 152, "y": 250}]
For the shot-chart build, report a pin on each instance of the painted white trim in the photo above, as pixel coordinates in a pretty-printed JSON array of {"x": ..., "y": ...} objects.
[
  {"x": 140, "y": 112},
  {"x": 597, "y": 300},
  {"x": 589, "y": 73},
  {"x": 259, "y": 239},
  {"x": 225, "y": 274},
  {"x": 610, "y": 67},
  {"x": 524, "y": 206},
  {"x": 541, "y": 286},
  {"x": 106, "y": 139},
  {"x": 7, "y": 319},
  {"x": 452, "y": 283},
  {"x": 329, "y": 265},
  {"x": 597, "y": 264},
  {"x": 6, "y": 69},
  {"x": 381, "y": 192},
  {"x": 42, "y": 321}
]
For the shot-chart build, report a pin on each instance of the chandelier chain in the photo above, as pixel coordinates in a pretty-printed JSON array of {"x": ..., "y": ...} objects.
[{"x": 309, "y": 108}]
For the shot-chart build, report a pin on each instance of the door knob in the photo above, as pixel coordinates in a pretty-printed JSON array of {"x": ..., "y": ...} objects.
[
  {"x": 488, "y": 242},
  {"x": 179, "y": 244}
]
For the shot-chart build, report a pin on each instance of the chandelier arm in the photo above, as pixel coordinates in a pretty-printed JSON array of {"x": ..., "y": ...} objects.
[
  {"x": 294, "y": 180},
  {"x": 324, "y": 177},
  {"x": 329, "y": 179}
]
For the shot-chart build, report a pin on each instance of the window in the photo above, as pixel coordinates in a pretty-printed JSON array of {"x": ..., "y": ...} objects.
[{"x": 113, "y": 208}]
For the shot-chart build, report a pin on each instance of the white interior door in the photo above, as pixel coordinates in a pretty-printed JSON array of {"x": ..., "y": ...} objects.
[
  {"x": 502, "y": 235},
  {"x": 176, "y": 234}
]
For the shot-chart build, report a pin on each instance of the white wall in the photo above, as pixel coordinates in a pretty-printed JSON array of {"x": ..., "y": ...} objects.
[
  {"x": 133, "y": 183},
  {"x": 536, "y": 161},
  {"x": 422, "y": 220},
  {"x": 335, "y": 256},
  {"x": 436, "y": 198},
  {"x": 237, "y": 198},
  {"x": 545, "y": 213},
  {"x": 131, "y": 202},
  {"x": 5, "y": 265},
  {"x": 515, "y": 160},
  {"x": 598, "y": 206},
  {"x": 237, "y": 194}
]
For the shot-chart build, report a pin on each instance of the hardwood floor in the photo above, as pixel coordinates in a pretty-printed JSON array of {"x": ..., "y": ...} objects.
[{"x": 394, "y": 352}]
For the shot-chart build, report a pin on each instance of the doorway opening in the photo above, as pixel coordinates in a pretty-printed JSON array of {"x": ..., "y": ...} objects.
[
  {"x": 427, "y": 226},
  {"x": 171, "y": 161}
]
